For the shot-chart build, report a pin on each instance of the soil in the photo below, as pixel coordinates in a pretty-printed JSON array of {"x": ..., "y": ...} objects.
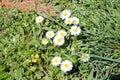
[{"x": 27, "y": 5}]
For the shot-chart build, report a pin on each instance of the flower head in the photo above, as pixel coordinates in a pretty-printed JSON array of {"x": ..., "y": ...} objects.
[
  {"x": 75, "y": 30},
  {"x": 85, "y": 57},
  {"x": 65, "y": 14},
  {"x": 50, "y": 34},
  {"x": 61, "y": 33},
  {"x": 34, "y": 60},
  {"x": 58, "y": 40},
  {"x": 37, "y": 56},
  {"x": 39, "y": 19},
  {"x": 56, "y": 61},
  {"x": 44, "y": 41},
  {"x": 68, "y": 21},
  {"x": 75, "y": 20},
  {"x": 66, "y": 66}
]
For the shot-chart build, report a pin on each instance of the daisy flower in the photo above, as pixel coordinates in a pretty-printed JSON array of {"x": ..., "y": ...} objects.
[
  {"x": 61, "y": 33},
  {"x": 44, "y": 41},
  {"x": 85, "y": 57},
  {"x": 75, "y": 20},
  {"x": 37, "y": 56},
  {"x": 65, "y": 14},
  {"x": 39, "y": 19},
  {"x": 75, "y": 30},
  {"x": 68, "y": 21},
  {"x": 58, "y": 40},
  {"x": 56, "y": 61},
  {"x": 66, "y": 66},
  {"x": 50, "y": 34}
]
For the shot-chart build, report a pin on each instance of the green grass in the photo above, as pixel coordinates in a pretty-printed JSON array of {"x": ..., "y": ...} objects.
[{"x": 100, "y": 37}]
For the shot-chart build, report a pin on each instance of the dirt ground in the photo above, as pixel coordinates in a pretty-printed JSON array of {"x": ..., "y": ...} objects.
[{"x": 27, "y": 5}]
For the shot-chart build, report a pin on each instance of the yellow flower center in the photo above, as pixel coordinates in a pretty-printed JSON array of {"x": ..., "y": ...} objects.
[
  {"x": 37, "y": 56},
  {"x": 65, "y": 14},
  {"x": 75, "y": 30},
  {"x": 56, "y": 61},
  {"x": 45, "y": 41},
  {"x": 58, "y": 40},
  {"x": 68, "y": 21},
  {"x": 74, "y": 21},
  {"x": 39, "y": 19},
  {"x": 66, "y": 65},
  {"x": 84, "y": 57},
  {"x": 50, "y": 34},
  {"x": 61, "y": 34}
]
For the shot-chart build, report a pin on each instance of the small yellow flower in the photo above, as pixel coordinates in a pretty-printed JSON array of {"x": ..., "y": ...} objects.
[
  {"x": 37, "y": 56},
  {"x": 34, "y": 60}
]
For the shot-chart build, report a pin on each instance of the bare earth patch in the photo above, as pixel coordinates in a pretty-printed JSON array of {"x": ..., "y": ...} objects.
[{"x": 27, "y": 5}]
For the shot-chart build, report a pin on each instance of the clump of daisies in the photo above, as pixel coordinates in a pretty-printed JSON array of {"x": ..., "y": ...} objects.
[
  {"x": 58, "y": 38},
  {"x": 72, "y": 21},
  {"x": 65, "y": 65}
]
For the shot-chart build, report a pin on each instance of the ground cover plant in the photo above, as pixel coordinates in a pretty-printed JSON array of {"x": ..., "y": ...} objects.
[{"x": 80, "y": 42}]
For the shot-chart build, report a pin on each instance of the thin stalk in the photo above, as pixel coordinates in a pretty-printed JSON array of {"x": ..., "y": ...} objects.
[{"x": 55, "y": 22}]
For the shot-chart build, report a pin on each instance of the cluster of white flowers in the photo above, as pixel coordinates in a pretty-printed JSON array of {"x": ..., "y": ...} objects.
[
  {"x": 65, "y": 65},
  {"x": 75, "y": 30},
  {"x": 59, "y": 39}
]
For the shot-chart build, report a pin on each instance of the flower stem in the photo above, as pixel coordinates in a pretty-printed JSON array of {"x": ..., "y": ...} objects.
[{"x": 51, "y": 19}]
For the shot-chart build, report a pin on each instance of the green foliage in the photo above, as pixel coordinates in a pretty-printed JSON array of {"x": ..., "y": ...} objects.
[{"x": 20, "y": 37}]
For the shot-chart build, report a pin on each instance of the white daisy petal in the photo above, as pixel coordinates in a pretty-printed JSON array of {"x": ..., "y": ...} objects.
[
  {"x": 66, "y": 66},
  {"x": 58, "y": 40},
  {"x": 68, "y": 21},
  {"x": 50, "y": 34},
  {"x": 39, "y": 19},
  {"x": 75, "y": 20},
  {"x": 56, "y": 61},
  {"x": 65, "y": 14},
  {"x": 85, "y": 57},
  {"x": 75, "y": 30},
  {"x": 44, "y": 41},
  {"x": 61, "y": 33}
]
